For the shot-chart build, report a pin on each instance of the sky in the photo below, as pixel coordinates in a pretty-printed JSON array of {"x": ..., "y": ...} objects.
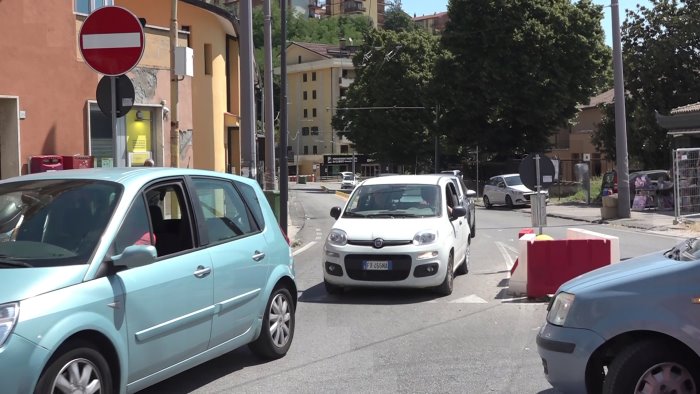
[{"x": 427, "y": 7}]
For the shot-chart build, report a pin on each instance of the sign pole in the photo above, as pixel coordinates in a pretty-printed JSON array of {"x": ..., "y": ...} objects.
[
  {"x": 113, "y": 105},
  {"x": 539, "y": 187}
]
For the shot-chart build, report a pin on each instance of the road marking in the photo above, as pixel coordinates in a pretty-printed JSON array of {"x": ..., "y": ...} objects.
[
  {"x": 304, "y": 248},
  {"x": 470, "y": 299},
  {"x": 319, "y": 234},
  {"x": 506, "y": 256}
]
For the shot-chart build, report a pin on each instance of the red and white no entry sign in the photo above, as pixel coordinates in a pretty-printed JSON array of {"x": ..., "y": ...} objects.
[{"x": 112, "y": 40}]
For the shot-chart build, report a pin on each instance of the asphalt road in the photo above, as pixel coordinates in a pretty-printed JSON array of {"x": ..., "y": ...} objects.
[{"x": 479, "y": 339}]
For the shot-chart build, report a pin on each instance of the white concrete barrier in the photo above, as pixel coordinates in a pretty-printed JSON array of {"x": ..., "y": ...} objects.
[
  {"x": 578, "y": 233},
  {"x": 517, "y": 284}
]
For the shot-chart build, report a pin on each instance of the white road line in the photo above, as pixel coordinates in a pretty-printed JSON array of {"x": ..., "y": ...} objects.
[
  {"x": 304, "y": 248},
  {"x": 470, "y": 299},
  {"x": 506, "y": 256},
  {"x": 511, "y": 248}
]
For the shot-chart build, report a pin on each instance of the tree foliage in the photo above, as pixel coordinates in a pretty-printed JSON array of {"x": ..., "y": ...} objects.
[
  {"x": 662, "y": 71},
  {"x": 392, "y": 70},
  {"x": 396, "y": 19},
  {"x": 514, "y": 70}
]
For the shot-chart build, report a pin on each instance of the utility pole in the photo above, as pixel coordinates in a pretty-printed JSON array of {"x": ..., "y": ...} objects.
[
  {"x": 284, "y": 170},
  {"x": 249, "y": 161},
  {"x": 269, "y": 103},
  {"x": 623, "y": 185},
  {"x": 174, "y": 92}
]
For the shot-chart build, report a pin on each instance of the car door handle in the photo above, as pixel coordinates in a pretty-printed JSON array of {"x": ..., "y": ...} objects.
[
  {"x": 201, "y": 271},
  {"x": 258, "y": 255}
]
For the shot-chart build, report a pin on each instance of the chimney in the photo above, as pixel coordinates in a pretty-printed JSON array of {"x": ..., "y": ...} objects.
[{"x": 342, "y": 43}]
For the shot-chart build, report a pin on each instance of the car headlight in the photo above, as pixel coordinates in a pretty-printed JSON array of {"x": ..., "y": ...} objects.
[
  {"x": 337, "y": 237},
  {"x": 560, "y": 308},
  {"x": 425, "y": 237},
  {"x": 8, "y": 318}
]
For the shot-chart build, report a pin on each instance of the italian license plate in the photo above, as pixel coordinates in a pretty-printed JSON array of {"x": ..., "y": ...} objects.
[{"x": 373, "y": 265}]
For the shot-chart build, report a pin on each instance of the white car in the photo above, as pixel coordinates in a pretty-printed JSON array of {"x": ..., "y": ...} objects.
[
  {"x": 348, "y": 181},
  {"x": 508, "y": 190},
  {"x": 398, "y": 231}
]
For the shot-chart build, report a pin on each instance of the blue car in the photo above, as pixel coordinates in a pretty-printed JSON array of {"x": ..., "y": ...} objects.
[{"x": 114, "y": 279}]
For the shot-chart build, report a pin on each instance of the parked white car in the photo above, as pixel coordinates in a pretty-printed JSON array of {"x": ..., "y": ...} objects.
[
  {"x": 508, "y": 190},
  {"x": 348, "y": 181},
  {"x": 398, "y": 231}
]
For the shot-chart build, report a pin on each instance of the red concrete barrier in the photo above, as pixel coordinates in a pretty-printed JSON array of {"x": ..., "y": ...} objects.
[
  {"x": 525, "y": 231},
  {"x": 551, "y": 263}
]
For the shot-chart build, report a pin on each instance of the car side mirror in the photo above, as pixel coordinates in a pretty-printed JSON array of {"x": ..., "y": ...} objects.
[
  {"x": 471, "y": 193},
  {"x": 135, "y": 256},
  {"x": 335, "y": 212},
  {"x": 458, "y": 212}
]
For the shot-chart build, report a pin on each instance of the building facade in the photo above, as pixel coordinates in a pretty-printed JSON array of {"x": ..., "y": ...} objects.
[
  {"x": 434, "y": 24},
  {"x": 48, "y": 102},
  {"x": 371, "y": 8}
]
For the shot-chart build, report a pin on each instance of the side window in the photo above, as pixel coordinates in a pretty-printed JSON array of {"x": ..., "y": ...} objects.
[
  {"x": 225, "y": 213},
  {"x": 135, "y": 229},
  {"x": 170, "y": 221},
  {"x": 251, "y": 198},
  {"x": 451, "y": 195}
]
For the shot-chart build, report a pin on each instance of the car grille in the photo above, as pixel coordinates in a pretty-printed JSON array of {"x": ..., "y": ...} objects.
[
  {"x": 385, "y": 243},
  {"x": 400, "y": 267}
]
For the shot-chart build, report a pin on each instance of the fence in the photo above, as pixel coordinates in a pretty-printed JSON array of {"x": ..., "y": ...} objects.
[{"x": 686, "y": 184}]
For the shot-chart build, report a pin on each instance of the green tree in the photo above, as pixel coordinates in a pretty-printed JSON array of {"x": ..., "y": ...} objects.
[
  {"x": 661, "y": 69},
  {"x": 393, "y": 71},
  {"x": 397, "y": 19},
  {"x": 514, "y": 71}
]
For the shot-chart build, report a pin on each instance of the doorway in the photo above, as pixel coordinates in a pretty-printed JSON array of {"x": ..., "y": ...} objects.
[{"x": 10, "y": 164}]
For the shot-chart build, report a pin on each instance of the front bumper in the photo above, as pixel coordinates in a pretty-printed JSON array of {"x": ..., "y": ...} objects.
[
  {"x": 343, "y": 266},
  {"x": 20, "y": 365},
  {"x": 565, "y": 353}
]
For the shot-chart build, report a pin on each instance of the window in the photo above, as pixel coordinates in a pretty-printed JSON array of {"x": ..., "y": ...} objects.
[
  {"x": 314, "y": 130},
  {"x": 135, "y": 230},
  {"x": 304, "y": 77},
  {"x": 170, "y": 221},
  {"x": 304, "y": 131},
  {"x": 313, "y": 76},
  {"x": 344, "y": 149},
  {"x": 299, "y": 60},
  {"x": 305, "y": 95},
  {"x": 306, "y": 113},
  {"x": 306, "y": 149},
  {"x": 313, "y": 113},
  {"x": 226, "y": 214},
  {"x": 207, "y": 59},
  {"x": 313, "y": 94},
  {"x": 87, "y": 6},
  {"x": 315, "y": 150}
]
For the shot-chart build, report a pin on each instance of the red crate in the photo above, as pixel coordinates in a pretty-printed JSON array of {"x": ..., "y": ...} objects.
[
  {"x": 78, "y": 161},
  {"x": 45, "y": 163}
]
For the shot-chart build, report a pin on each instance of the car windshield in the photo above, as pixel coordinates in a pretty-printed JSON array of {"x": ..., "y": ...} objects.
[
  {"x": 513, "y": 180},
  {"x": 395, "y": 201},
  {"x": 53, "y": 222},
  {"x": 348, "y": 177}
]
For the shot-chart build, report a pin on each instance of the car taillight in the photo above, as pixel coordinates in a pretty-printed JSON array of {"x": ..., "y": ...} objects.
[{"x": 284, "y": 233}]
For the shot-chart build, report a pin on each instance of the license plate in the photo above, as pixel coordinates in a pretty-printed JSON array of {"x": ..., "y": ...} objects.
[{"x": 372, "y": 265}]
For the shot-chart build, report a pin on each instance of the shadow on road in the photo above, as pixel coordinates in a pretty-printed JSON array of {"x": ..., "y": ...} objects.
[
  {"x": 508, "y": 298},
  {"x": 367, "y": 296}
]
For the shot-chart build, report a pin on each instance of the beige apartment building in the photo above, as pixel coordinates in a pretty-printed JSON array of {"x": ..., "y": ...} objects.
[
  {"x": 372, "y": 8},
  {"x": 317, "y": 76},
  {"x": 434, "y": 23}
]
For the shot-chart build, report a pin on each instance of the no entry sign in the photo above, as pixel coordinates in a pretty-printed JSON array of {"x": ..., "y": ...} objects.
[{"x": 111, "y": 40}]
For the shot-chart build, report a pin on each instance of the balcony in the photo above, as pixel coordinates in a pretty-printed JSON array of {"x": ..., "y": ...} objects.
[{"x": 353, "y": 7}]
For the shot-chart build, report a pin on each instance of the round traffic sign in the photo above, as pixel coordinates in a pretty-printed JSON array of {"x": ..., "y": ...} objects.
[
  {"x": 124, "y": 95},
  {"x": 528, "y": 171},
  {"x": 111, "y": 40}
]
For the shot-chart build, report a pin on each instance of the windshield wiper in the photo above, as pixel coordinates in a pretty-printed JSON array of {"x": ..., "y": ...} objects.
[
  {"x": 5, "y": 262},
  {"x": 353, "y": 215}
]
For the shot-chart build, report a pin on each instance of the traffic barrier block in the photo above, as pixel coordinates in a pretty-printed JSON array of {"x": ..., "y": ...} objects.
[
  {"x": 578, "y": 233},
  {"x": 552, "y": 263},
  {"x": 517, "y": 284},
  {"x": 525, "y": 231}
]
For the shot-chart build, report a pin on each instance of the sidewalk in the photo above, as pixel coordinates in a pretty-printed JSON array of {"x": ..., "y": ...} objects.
[{"x": 655, "y": 221}]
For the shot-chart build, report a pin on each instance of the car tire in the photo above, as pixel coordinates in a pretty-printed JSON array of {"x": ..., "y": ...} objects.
[
  {"x": 332, "y": 289},
  {"x": 627, "y": 372},
  {"x": 71, "y": 362},
  {"x": 278, "y": 326},
  {"x": 447, "y": 285},
  {"x": 472, "y": 231},
  {"x": 487, "y": 202},
  {"x": 509, "y": 201},
  {"x": 464, "y": 267}
]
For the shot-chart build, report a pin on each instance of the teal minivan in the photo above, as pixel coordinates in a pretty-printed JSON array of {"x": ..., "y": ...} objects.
[{"x": 114, "y": 279}]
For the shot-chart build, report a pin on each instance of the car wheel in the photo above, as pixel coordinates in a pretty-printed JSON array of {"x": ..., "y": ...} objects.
[
  {"x": 447, "y": 285},
  {"x": 509, "y": 202},
  {"x": 646, "y": 366},
  {"x": 331, "y": 288},
  {"x": 464, "y": 267},
  {"x": 487, "y": 203},
  {"x": 278, "y": 326},
  {"x": 76, "y": 367}
]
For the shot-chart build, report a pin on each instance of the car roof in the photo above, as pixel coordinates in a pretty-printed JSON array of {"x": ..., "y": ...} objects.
[
  {"x": 506, "y": 175},
  {"x": 430, "y": 179},
  {"x": 124, "y": 175}
]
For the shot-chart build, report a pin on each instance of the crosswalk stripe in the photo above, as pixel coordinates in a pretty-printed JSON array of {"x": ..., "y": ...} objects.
[{"x": 470, "y": 299}]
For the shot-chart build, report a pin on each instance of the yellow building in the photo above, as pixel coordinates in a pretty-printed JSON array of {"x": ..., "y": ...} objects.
[
  {"x": 372, "y": 8},
  {"x": 317, "y": 76}
]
